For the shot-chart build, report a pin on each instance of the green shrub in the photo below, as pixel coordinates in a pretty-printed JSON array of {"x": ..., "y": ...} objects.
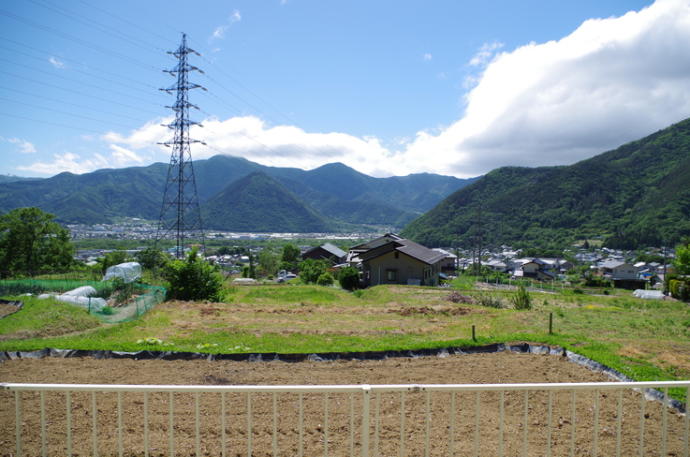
[
  {"x": 310, "y": 270},
  {"x": 108, "y": 311},
  {"x": 193, "y": 279},
  {"x": 680, "y": 289},
  {"x": 489, "y": 301},
  {"x": 349, "y": 278},
  {"x": 325, "y": 279},
  {"x": 521, "y": 299}
]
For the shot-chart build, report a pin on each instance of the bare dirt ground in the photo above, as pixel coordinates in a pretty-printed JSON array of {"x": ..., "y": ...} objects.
[
  {"x": 7, "y": 309},
  {"x": 339, "y": 434}
]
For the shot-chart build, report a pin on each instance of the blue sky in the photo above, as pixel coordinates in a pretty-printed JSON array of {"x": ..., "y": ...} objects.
[{"x": 387, "y": 87}]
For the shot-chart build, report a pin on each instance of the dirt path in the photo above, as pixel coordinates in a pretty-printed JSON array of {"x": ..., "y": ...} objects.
[{"x": 476, "y": 368}]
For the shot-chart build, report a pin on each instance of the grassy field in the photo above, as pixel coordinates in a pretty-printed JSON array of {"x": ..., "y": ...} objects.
[{"x": 644, "y": 339}]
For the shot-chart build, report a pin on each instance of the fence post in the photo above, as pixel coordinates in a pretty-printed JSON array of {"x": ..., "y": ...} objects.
[
  {"x": 550, "y": 323},
  {"x": 474, "y": 336},
  {"x": 366, "y": 397}
]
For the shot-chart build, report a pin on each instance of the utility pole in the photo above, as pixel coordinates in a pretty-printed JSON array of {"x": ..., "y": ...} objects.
[
  {"x": 478, "y": 242},
  {"x": 180, "y": 216}
]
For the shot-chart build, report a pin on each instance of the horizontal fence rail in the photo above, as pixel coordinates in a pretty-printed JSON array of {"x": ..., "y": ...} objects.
[{"x": 545, "y": 419}]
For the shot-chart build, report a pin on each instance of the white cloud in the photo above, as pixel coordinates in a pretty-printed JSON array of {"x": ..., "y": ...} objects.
[
  {"x": 56, "y": 63},
  {"x": 219, "y": 32},
  {"x": 74, "y": 163},
  {"x": 124, "y": 156},
  {"x": 609, "y": 82},
  {"x": 24, "y": 146},
  {"x": 66, "y": 162},
  {"x": 427, "y": 56},
  {"x": 485, "y": 53}
]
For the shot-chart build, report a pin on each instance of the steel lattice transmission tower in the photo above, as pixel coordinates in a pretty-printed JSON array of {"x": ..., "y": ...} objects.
[{"x": 180, "y": 216}]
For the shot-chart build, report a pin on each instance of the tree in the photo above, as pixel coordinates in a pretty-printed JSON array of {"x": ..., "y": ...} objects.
[
  {"x": 310, "y": 270},
  {"x": 193, "y": 279},
  {"x": 31, "y": 243},
  {"x": 151, "y": 258},
  {"x": 289, "y": 258},
  {"x": 682, "y": 260},
  {"x": 268, "y": 262},
  {"x": 349, "y": 278}
]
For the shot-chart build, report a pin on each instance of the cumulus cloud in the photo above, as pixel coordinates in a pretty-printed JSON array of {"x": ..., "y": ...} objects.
[
  {"x": 118, "y": 156},
  {"x": 68, "y": 161},
  {"x": 25, "y": 147},
  {"x": 427, "y": 57},
  {"x": 56, "y": 63},
  {"x": 610, "y": 81}
]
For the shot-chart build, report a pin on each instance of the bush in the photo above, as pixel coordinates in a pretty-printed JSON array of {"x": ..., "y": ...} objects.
[
  {"x": 489, "y": 301},
  {"x": 193, "y": 279},
  {"x": 349, "y": 278},
  {"x": 325, "y": 279},
  {"x": 680, "y": 289},
  {"x": 521, "y": 299},
  {"x": 151, "y": 258},
  {"x": 310, "y": 270},
  {"x": 122, "y": 291}
]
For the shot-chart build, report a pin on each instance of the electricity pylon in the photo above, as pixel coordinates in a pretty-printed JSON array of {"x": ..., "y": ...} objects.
[{"x": 180, "y": 215}]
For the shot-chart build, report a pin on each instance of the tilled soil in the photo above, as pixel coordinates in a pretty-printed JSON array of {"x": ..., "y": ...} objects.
[{"x": 332, "y": 423}]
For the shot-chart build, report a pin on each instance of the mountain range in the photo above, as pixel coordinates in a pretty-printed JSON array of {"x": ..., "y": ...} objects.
[
  {"x": 636, "y": 195},
  {"x": 333, "y": 197}
]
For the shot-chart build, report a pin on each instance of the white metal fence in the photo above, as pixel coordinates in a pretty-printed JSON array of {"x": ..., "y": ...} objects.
[{"x": 567, "y": 419}]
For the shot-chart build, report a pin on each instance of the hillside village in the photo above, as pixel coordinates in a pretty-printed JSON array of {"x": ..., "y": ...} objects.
[{"x": 392, "y": 259}]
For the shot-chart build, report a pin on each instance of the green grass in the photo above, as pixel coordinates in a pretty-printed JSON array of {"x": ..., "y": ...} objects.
[
  {"x": 646, "y": 340},
  {"x": 44, "y": 317}
]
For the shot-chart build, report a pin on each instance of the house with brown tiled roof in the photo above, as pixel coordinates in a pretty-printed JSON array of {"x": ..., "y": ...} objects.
[{"x": 391, "y": 259}]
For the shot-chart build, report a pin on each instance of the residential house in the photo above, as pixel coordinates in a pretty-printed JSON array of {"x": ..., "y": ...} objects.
[
  {"x": 449, "y": 262},
  {"x": 623, "y": 274},
  {"x": 392, "y": 259},
  {"x": 326, "y": 251},
  {"x": 533, "y": 269}
]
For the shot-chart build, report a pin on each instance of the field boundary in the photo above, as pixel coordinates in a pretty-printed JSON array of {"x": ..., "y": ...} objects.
[{"x": 519, "y": 348}]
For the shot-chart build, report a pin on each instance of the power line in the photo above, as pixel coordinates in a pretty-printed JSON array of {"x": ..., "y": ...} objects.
[
  {"x": 87, "y": 73},
  {"x": 95, "y": 86},
  {"x": 64, "y": 112},
  {"x": 56, "y": 124},
  {"x": 72, "y": 104},
  {"x": 67, "y": 59},
  {"x": 25, "y": 78},
  {"x": 77, "y": 40},
  {"x": 289, "y": 119},
  {"x": 128, "y": 22},
  {"x": 91, "y": 23}
]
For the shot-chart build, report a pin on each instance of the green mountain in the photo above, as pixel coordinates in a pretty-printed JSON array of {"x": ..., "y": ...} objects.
[
  {"x": 636, "y": 195},
  {"x": 259, "y": 203},
  {"x": 12, "y": 178},
  {"x": 335, "y": 191}
]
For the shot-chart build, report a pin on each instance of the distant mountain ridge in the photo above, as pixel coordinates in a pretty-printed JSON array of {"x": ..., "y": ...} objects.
[
  {"x": 334, "y": 192},
  {"x": 259, "y": 203},
  {"x": 634, "y": 196}
]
